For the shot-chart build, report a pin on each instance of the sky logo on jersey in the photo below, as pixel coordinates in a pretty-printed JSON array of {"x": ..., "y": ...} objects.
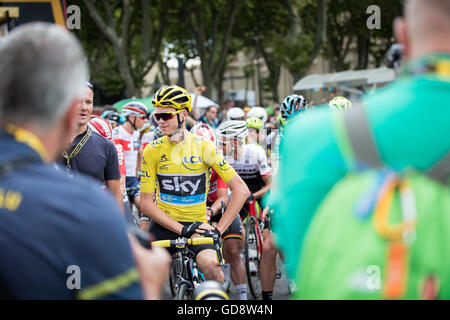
[{"x": 184, "y": 190}]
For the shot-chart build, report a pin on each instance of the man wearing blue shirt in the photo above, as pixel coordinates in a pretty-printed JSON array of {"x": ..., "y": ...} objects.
[
  {"x": 90, "y": 153},
  {"x": 61, "y": 238}
]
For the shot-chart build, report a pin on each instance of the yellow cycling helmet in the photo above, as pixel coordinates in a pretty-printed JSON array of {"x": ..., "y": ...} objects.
[
  {"x": 340, "y": 103},
  {"x": 254, "y": 122},
  {"x": 172, "y": 97}
]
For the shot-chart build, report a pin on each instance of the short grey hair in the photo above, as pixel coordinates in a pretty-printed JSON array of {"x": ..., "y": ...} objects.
[{"x": 42, "y": 70}]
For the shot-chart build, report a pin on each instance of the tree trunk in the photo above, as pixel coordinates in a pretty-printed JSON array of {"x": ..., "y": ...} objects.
[
  {"x": 319, "y": 38},
  {"x": 125, "y": 73},
  {"x": 275, "y": 80},
  {"x": 363, "y": 52}
]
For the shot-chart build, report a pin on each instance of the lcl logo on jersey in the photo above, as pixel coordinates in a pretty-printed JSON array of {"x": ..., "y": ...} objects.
[
  {"x": 193, "y": 160},
  {"x": 157, "y": 143},
  {"x": 224, "y": 165},
  {"x": 145, "y": 174}
]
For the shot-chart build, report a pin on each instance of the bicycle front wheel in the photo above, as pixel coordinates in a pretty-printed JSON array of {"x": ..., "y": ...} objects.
[{"x": 252, "y": 258}]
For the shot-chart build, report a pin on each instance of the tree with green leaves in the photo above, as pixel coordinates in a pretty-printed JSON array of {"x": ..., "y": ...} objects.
[
  {"x": 307, "y": 33},
  {"x": 203, "y": 28},
  {"x": 260, "y": 22},
  {"x": 130, "y": 34},
  {"x": 347, "y": 30}
]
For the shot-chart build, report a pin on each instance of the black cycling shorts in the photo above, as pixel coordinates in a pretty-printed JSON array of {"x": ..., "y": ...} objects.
[
  {"x": 234, "y": 231},
  {"x": 161, "y": 233}
]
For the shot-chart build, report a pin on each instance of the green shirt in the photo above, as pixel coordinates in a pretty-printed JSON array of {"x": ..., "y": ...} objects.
[{"x": 410, "y": 122}]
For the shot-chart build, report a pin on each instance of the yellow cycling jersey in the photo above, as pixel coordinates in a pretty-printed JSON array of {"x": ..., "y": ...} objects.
[{"x": 179, "y": 173}]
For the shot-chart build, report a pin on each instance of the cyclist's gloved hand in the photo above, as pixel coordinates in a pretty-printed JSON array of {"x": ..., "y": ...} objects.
[
  {"x": 189, "y": 230},
  {"x": 212, "y": 233}
]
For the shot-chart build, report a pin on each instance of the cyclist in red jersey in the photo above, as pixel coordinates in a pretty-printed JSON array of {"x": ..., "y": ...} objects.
[{"x": 127, "y": 135}]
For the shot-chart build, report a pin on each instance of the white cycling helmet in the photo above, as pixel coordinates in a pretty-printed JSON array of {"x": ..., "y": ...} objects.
[
  {"x": 258, "y": 112},
  {"x": 233, "y": 129},
  {"x": 134, "y": 108},
  {"x": 235, "y": 113}
]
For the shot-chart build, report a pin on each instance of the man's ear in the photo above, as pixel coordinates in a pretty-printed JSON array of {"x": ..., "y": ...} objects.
[
  {"x": 184, "y": 114},
  {"x": 402, "y": 36}
]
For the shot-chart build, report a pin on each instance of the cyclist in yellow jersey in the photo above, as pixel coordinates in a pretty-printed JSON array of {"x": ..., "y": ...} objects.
[{"x": 176, "y": 168}]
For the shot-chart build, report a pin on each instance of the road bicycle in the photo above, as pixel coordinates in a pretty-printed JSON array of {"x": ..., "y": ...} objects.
[{"x": 184, "y": 275}]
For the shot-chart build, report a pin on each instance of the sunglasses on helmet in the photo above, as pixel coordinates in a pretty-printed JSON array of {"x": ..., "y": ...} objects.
[{"x": 165, "y": 115}]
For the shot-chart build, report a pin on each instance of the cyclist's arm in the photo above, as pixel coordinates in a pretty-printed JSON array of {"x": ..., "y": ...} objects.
[
  {"x": 123, "y": 181},
  {"x": 239, "y": 195},
  {"x": 222, "y": 196},
  {"x": 139, "y": 161},
  {"x": 114, "y": 186},
  {"x": 262, "y": 192},
  {"x": 239, "y": 189},
  {"x": 150, "y": 209}
]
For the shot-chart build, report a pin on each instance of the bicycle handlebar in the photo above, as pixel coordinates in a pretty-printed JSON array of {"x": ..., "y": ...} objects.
[{"x": 182, "y": 242}]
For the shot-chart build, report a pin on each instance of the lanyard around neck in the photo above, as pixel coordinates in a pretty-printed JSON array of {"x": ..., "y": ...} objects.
[{"x": 77, "y": 148}]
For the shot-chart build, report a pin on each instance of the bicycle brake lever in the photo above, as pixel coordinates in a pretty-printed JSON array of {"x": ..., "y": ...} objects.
[{"x": 211, "y": 234}]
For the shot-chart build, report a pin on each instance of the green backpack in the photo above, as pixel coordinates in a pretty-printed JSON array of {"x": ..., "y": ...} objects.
[{"x": 379, "y": 234}]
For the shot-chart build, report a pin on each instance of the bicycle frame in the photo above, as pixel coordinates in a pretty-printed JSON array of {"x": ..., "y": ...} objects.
[
  {"x": 253, "y": 215},
  {"x": 184, "y": 268}
]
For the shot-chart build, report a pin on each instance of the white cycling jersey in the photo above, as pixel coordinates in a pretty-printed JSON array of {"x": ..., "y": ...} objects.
[
  {"x": 130, "y": 145},
  {"x": 251, "y": 166}
]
